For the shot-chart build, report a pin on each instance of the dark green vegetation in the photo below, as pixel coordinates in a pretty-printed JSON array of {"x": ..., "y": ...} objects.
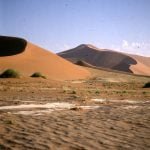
[
  {"x": 147, "y": 85},
  {"x": 73, "y": 92},
  {"x": 2, "y": 147},
  {"x": 8, "y": 122},
  {"x": 10, "y": 73},
  {"x": 97, "y": 92},
  {"x": 37, "y": 75}
]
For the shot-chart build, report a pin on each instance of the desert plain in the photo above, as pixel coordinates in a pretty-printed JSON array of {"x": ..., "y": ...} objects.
[
  {"x": 72, "y": 107},
  {"x": 109, "y": 110}
]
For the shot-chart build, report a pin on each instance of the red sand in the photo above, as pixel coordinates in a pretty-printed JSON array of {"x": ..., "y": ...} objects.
[{"x": 35, "y": 59}]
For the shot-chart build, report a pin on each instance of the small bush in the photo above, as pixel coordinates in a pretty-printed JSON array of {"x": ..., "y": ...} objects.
[
  {"x": 97, "y": 92},
  {"x": 8, "y": 122},
  {"x": 10, "y": 73},
  {"x": 38, "y": 75},
  {"x": 147, "y": 85},
  {"x": 64, "y": 91},
  {"x": 74, "y": 96},
  {"x": 2, "y": 147},
  {"x": 73, "y": 92},
  {"x": 144, "y": 92}
]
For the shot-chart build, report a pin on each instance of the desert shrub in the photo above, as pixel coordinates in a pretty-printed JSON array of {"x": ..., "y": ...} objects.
[
  {"x": 2, "y": 147},
  {"x": 37, "y": 75},
  {"x": 146, "y": 85},
  {"x": 97, "y": 92},
  {"x": 64, "y": 91},
  {"x": 74, "y": 96},
  {"x": 10, "y": 73},
  {"x": 144, "y": 92},
  {"x": 73, "y": 92},
  {"x": 8, "y": 122}
]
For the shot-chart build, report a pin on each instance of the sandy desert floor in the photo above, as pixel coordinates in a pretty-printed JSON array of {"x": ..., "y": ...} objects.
[{"x": 104, "y": 112}]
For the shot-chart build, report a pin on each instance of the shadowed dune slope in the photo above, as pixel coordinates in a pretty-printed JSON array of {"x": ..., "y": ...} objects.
[
  {"x": 108, "y": 59},
  {"x": 28, "y": 58},
  {"x": 11, "y": 46}
]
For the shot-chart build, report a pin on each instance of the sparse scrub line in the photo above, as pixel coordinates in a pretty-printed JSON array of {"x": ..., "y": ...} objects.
[
  {"x": 72, "y": 92},
  {"x": 11, "y": 73},
  {"x": 75, "y": 92},
  {"x": 89, "y": 91}
]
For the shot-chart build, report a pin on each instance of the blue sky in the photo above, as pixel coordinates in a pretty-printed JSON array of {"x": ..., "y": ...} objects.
[{"x": 58, "y": 25}]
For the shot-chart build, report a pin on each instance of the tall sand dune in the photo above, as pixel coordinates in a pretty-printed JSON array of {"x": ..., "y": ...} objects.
[
  {"x": 27, "y": 58},
  {"x": 108, "y": 59}
]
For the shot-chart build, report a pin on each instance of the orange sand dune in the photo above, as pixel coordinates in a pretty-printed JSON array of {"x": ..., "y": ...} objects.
[
  {"x": 108, "y": 59},
  {"x": 28, "y": 58}
]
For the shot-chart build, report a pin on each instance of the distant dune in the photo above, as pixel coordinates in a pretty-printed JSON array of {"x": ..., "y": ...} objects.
[
  {"x": 110, "y": 59},
  {"x": 27, "y": 58}
]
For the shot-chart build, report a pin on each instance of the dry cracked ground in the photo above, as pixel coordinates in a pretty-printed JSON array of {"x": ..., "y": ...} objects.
[{"x": 95, "y": 114}]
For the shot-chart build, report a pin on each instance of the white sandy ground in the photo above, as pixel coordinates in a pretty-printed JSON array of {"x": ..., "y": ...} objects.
[
  {"x": 99, "y": 100},
  {"x": 28, "y": 101},
  {"x": 50, "y": 107},
  {"x": 34, "y": 112},
  {"x": 131, "y": 107},
  {"x": 46, "y": 111},
  {"x": 117, "y": 101},
  {"x": 46, "y": 106},
  {"x": 76, "y": 82}
]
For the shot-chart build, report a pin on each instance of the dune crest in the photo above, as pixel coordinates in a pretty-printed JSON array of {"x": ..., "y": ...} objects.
[{"x": 35, "y": 59}]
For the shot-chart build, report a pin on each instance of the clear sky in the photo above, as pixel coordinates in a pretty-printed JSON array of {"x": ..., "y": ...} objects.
[{"x": 62, "y": 24}]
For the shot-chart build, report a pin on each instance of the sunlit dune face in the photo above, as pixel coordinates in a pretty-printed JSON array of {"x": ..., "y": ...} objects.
[
  {"x": 27, "y": 58},
  {"x": 11, "y": 45}
]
